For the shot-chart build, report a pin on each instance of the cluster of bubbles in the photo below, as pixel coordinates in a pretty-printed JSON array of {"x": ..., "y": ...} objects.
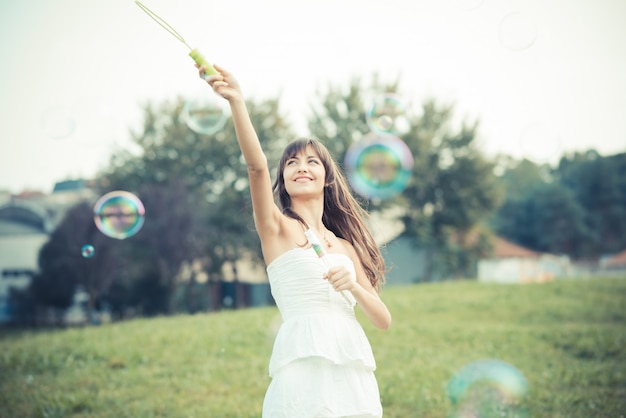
[
  {"x": 487, "y": 388},
  {"x": 388, "y": 115},
  {"x": 205, "y": 115},
  {"x": 379, "y": 165}
]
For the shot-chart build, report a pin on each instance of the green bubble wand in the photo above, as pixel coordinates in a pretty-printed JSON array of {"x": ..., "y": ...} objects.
[
  {"x": 194, "y": 53},
  {"x": 321, "y": 253}
]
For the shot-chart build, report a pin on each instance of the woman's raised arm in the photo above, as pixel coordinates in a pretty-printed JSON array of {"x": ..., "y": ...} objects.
[{"x": 266, "y": 213}]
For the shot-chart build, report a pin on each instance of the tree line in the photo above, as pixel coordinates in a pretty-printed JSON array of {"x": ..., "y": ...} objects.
[{"x": 198, "y": 211}]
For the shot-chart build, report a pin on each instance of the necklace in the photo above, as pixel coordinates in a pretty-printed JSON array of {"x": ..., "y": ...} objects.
[
  {"x": 328, "y": 244},
  {"x": 326, "y": 240}
]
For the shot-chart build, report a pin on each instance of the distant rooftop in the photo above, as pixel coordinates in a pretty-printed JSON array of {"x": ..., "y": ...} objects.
[
  {"x": 618, "y": 260},
  {"x": 15, "y": 228},
  {"x": 503, "y": 248},
  {"x": 70, "y": 185}
]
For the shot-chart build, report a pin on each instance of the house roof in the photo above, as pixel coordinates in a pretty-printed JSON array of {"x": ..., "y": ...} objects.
[
  {"x": 503, "y": 248},
  {"x": 618, "y": 259}
]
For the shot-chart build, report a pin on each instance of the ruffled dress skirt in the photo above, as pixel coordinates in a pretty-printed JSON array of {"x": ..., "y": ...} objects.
[
  {"x": 314, "y": 387},
  {"x": 322, "y": 364}
]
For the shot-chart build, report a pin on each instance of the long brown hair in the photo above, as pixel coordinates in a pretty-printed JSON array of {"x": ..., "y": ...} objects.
[{"x": 342, "y": 213}]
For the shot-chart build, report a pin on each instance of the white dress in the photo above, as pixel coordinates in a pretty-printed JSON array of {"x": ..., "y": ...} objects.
[{"x": 322, "y": 363}]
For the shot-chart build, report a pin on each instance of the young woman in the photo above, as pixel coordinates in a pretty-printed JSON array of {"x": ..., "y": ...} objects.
[{"x": 322, "y": 363}]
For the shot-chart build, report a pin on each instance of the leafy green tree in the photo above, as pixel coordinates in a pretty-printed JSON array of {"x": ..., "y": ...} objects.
[
  {"x": 452, "y": 186},
  {"x": 558, "y": 222},
  {"x": 518, "y": 178},
  {"x": 63, "y": 267},
  {"x": 599, "y": 185},
  {"x": 577, "y": 208},
  {"x": 339, "y": 118},
  {"x": 195, "y": 189},
  {"x": 515, "y": 218},
  {"x": 172, "y": 234}
]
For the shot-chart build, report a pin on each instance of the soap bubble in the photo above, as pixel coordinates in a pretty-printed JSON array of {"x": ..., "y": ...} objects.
[
  {"x": 487, "y": 388},
  {"x": 388, "y": 115},
  {"x": 88, "y": 251},
  {"x": 379, "y": 166},
  {"x": 119, "y": 214},
  {"x": 205, "y": 115},
  {"x": 517, "y": 31}
]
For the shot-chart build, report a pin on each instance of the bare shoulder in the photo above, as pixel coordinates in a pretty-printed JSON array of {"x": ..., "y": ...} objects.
[
  {"x": 348, "y": 249},
  {"x": 288, "y": 236}
]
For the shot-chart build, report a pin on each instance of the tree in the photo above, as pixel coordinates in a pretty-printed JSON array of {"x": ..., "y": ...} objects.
[
  {"x": 195, "y": 188},
  {"x": 515, "y": 218},
  {"x": 339, "y": 118},
  {"x": 452, "y": 186},
  {"x": 171, "y": 235},
  {"x": 577, "y": 208},
  {"x": 63, "y": 268},
  {"x": 558, "y": 222},
  {"x": 599, "y": 185}
]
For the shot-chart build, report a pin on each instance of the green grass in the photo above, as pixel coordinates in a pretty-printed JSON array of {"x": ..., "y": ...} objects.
[{"x": 567, "y": 337}]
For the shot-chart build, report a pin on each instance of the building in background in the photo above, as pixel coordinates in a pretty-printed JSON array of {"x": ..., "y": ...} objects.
[
  {"x": 512, "y": 263},
  {"x": 26, "y": 222}
]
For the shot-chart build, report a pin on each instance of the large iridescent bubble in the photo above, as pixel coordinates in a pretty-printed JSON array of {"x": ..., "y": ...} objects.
[
  {"x": 487, "y": 388},
  {"x": 119, "y": 214},
  {"x": 379, "y": 166}
]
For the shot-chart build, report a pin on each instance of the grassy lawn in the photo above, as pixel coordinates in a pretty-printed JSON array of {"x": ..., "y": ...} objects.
[{"x": 567, "y": 337}]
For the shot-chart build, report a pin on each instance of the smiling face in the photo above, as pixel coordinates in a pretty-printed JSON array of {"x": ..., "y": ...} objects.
[
  {"x": 320, "y": 168},
  {"x": 304, "y": 174}
]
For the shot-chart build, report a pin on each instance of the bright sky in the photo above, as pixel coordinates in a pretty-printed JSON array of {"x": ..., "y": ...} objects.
[{"x": 546, "y": 79}]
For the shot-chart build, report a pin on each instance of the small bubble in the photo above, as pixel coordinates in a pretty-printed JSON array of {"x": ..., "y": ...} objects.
[
  {"x": 517, "y": 31},
  {"x": 388, "y": 115},
  {"x": 88, "y": 251}
]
